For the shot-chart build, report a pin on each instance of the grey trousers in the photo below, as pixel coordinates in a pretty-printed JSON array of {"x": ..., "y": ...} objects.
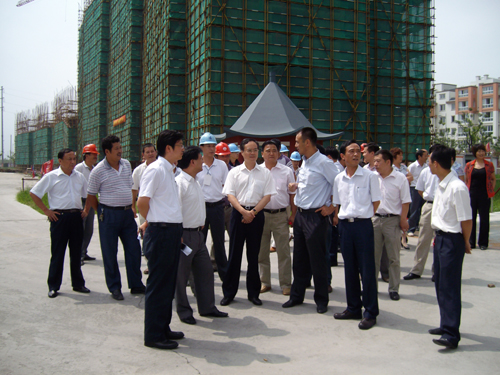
[
  {"x": 386, "y": 232},
  {"x": 199, "y": 263},
  {"x": 88, "y": 231},
  {"x": 277, "y": 224},
  {"x": 425, "y": 237}
]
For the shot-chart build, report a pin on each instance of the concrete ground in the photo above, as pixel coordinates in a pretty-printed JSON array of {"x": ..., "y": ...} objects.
[{"x": 94, "y": 334}]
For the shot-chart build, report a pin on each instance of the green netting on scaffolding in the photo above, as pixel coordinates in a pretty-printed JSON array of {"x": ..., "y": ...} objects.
[
  {"x": 24, "y": 149},
  {"x": 42, "y": 145},
  {"x": 63, "y": 137}
]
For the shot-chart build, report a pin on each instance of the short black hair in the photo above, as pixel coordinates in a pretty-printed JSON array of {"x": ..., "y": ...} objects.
[
  {"x": 431, "y": 149},
  {"x": 442, "y": 155},
  {"x": 248, "y": 140},
  {"x": 146, "y": 145},
  {"x": 346, "y": 144},
  {"x": 107, "y": 142},
  {"x": 386, "y": 155},
  {"x": 190, "y": 153},
  {"x": 479, "y": 146},
  {"x": 274, "y": 141},
  {"x": 309, "y": 133},
  {"x": 321, "y": 149},
  {"x": 332, "y": 152},
  {"x": 420, "y": 153},
  {"x": 372, "y": 147},
  {"x": 64, "y": 151},
  {"x": 167, "y": 138}
]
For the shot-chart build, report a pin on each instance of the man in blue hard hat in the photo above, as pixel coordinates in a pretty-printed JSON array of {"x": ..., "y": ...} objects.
[
  {"x": 284, "y": 159},
  {"x": 235, "y": 154},
  {"x": 212, "y": 179}
]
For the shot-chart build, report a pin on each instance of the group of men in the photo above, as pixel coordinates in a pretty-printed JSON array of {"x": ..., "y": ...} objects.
[{"x": 177, "y": 206}]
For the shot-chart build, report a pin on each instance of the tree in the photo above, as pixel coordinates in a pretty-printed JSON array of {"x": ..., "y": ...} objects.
[
  {"x": 443, "y": 137},
  {"x": 475, "y": 133}
]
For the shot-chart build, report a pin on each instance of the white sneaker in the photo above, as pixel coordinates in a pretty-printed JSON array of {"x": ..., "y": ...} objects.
[{"x": 410, "y": 234}]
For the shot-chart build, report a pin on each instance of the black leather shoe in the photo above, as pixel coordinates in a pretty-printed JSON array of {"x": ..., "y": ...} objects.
[
  {"x": 444, "y": 342},
  {"x": 321, "y": 309},
  {"x": 216, "y": 314},
  {"x": 411, "y": 276},
  {"x": 167, "y": 344},
  {"x": 255, "y": 300},
  {"x": 436, "y": 331},
  {"x": 53, "y": 293},
  {"x": 226, "y": 301},
  {"x": 117, "y": 294},
  {"x": 347, "y": 315},
  {"x": 86, "y": 257},
  {"x": 138, "y": 290},
  {"x": 433, "y": 279},
  {"x": 483, "y": 247},
  {"x": 188, "y": 320},
  {"x": 290, "y": 303},
  {"x": 175, "y": 335},
  {"x": 394, "y": 296},
  {"x": 367, "y": 323},
  {"x": 81, "y": 289}
]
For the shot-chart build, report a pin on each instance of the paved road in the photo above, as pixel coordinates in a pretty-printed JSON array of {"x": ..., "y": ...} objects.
[{"x": 94, "y": 334}]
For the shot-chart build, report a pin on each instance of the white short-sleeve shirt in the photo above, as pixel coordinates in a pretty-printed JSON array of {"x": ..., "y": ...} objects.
[
  {"x": 282, "y": 176},
  {"x": 192, "y": 201},
  {"x": 395, "y": 192},
  {"x": 212, "y": 179}
]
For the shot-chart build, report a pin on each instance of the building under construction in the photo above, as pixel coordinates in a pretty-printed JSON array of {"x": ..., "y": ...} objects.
[{"x": 364, "y": 67}]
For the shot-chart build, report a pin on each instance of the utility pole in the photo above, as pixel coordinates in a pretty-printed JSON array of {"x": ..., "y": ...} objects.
[{"x": 2, "y": 128}]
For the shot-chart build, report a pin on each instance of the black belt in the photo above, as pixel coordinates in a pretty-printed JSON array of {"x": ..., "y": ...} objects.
[
  {"x": 72, "y": 211},
  {"x": 121, "y": 208},
  {"x": 248, "y": 208},
  {"x": 310, "y": 210},
  {"x": 164, "y": 225},
  {"x": 352, "y": 219},
  {"x": 440, "y": 232},
  {"x": 431, "y": 202},
  {"x": 386, "y": 215},
  {"x": 199, "y": 229},
  {"x": 214, "y": 204},
  {"x": 275, "y": 211}
]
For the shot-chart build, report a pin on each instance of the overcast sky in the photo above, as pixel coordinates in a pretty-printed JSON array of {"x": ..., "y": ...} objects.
[{"x": 39, "y": 48}]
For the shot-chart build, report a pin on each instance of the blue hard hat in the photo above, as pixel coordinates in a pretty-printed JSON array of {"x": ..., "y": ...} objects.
[
  {"x": 207, "y": 139},
  {"x": 295, "y": 156},
  {"x": 284, "y": 148},
  {"x": 234, "y": 148}
]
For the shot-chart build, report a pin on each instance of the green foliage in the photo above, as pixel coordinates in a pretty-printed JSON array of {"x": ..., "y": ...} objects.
[
  {"x": 24, "y": 197},
  {"x": 475, "y": 133}
]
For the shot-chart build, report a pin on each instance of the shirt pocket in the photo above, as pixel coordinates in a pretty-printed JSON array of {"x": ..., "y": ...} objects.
[
  {"x": 258, "y": 186},
  {"x": 362, "y": 195}
]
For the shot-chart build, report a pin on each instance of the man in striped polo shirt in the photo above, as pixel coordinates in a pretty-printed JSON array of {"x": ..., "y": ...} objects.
[{"x": 112, "y": 180}]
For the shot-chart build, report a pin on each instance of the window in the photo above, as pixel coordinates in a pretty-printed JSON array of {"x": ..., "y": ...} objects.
[
  {"x": 452, "y": 118},
  {"x": 463, "y": 106},
  {"x": 463, "y": 93},
  {"x": 442, "y": 120},
  {"x": 443, "y": 96},
  {"x": 488, "y": 117},
  {"x": 461, "y": 117},
  {"x": 453, "y": 131},
  {"x": 460, "y": 132},
  {"x": 452, "y": 106},
  {"x": 487, "y": 90},
  {"x": 442, "y": 107},
  {"x": 488, "y": 128},
  {"x": 488, "y": 103}
]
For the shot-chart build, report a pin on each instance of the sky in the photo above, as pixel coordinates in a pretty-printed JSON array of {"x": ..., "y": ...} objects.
[{"x": 39, "y": 49}]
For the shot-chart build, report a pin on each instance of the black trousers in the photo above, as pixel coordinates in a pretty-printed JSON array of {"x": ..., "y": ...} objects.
[
  {"x": 358, "y": 250},
  {"x": 480, "y": 203},
  {"x": 215, "y": 221},
  {"x": 449, "y": 251},
  {"x": 309, "y": 257},
  {"x": 161, "y": 249},
  {"x": 68, "y": 229},
  {"x": 415, "y": 209},
  {"x": 239, "y": 234}
]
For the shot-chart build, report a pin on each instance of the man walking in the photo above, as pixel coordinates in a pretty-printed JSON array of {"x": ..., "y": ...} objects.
[
  {"x": 415, "y": 169},
  {"x": 66, "y": 188},
  {"x": 112, "y": 180},
  {"x": 85, "y": 167}
]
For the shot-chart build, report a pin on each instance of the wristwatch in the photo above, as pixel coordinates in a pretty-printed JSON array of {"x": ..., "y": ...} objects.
[{"x": 254, "y": 210}]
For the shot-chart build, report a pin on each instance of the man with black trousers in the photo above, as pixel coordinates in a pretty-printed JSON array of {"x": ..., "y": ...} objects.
[
  {"x": 66, "y": 188},
  {"x": 357, "y": 191},
  {"x": 159, "y": 204},
  {"x": 452, "y": 221},
  {"x": 314, "y": 204}
]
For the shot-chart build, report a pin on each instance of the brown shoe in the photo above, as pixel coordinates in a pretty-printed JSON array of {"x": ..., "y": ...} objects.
[
  {"x": 286, "y": 291},
  {"x": 272, "y": 249},
  {"x": 265, "y": 288}
]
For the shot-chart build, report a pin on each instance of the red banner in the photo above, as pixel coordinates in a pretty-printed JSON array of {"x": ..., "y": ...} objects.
[
  {"x": 119, "y": 120},
  {"x": 47, "y": 166}
]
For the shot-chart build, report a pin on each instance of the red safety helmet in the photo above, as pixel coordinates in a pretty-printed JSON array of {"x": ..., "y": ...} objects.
[
  {"x": 363, "y": 145},
  {"x": 222, "y": 149},
  {"x": 90, "y": 149}
]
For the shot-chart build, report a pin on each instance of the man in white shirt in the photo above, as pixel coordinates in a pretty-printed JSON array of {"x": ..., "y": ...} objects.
[
  {"x": 369, "y": 156},
  {"x": 390, "y": 217},
  {"x": 212, "y": 179},
  {"x": 66, "y": 188},
  {"x": 357, "y": 191},
  {"x": 148, "y": 155},
  {"x": 452, "y": 221},
  {"x": 415, "y": 169},
  {"x": 85, "y": 167},
  {"x": 248, "y": 187},
  {"x": 198, "y": 260},
  {"x": 276, "y": 221},
  {"x": 314, "y": 204},
  {"x": 159, "y": 204},
  {"x": 426, "y": 187}
]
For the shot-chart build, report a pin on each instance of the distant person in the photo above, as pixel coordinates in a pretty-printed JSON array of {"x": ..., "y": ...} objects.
[
  {"x": 235, "y": 154},
  {"x": 369, "y": 156},
  {"x": 480, "y": 179},
  {"x": 85, "y": 167},
  {"x": 112, "y": 180},
  {"x": 417, "y": 202},
  {"x": 65, "y": 188},
  {"x": 296, "y": 162},
  {"x": 283, "y": 158}
]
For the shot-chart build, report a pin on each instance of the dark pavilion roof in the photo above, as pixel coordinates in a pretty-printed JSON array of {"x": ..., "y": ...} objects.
[{"x": 271, "y": 115}]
